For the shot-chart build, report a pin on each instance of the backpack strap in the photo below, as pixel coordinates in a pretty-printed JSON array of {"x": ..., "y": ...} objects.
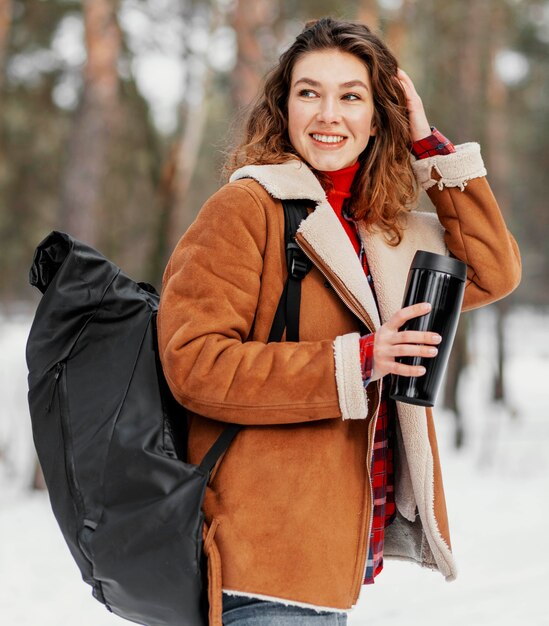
[
  {"x": 298, "y": 264},
  {"x": 219, "y": 447},
  {"x": 286, "y": 316}
]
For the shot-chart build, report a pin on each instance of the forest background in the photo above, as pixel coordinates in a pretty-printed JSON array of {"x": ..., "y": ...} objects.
[
  {"x": 115, "y": 119},
  {"x": 116, "y": 114}
]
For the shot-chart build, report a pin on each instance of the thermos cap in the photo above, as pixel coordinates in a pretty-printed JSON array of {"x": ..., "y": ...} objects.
[{"x": 439, "y": 263}]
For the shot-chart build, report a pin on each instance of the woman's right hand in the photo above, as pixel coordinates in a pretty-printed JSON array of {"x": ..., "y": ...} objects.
[{"x": 391, "y": 343}]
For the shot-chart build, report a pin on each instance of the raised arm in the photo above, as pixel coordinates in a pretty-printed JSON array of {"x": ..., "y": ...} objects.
[{"x": 475, "y": 230}]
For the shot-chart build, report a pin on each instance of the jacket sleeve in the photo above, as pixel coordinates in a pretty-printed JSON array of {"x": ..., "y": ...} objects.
[
  {"x": 209, "y": 299},
  {"x": 475, "y": 231}
]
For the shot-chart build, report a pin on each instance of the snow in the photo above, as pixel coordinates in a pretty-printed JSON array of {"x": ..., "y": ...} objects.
[{"x": 496, "y": 491}]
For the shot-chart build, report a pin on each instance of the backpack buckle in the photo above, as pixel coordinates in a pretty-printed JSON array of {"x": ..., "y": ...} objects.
[
  {"x": 298, "y": 263},
  {"x": 299, "y": 268}
]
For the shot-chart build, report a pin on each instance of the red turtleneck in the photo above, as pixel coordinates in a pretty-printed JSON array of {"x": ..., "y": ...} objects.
[{"x": 340, "y": 191}]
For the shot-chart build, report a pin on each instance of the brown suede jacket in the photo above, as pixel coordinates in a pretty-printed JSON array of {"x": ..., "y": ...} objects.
[{"x": 289, "y": 507}]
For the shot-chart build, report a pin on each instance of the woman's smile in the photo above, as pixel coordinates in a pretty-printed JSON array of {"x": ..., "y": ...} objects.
[{"x": 323, "y": 138}]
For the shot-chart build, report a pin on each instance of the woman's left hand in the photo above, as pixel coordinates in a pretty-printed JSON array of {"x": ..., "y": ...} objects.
[{"x": 419, "y": 126}]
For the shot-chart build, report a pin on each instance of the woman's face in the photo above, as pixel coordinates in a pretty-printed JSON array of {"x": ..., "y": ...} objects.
[{"x": 330, "y": 109}]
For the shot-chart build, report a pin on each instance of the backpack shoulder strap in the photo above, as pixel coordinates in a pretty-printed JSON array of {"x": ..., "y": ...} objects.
[
  {"x": 298, "y": 264},
  {"x": 220, "y": 446},
  {"x": 287, "y": 313}
]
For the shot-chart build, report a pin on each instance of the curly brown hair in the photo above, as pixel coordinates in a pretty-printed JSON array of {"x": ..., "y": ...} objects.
[{"x": 384, "y": 186}]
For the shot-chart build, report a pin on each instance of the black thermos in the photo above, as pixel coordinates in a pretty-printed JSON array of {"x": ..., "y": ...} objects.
[{"x": 440, "y": 280}]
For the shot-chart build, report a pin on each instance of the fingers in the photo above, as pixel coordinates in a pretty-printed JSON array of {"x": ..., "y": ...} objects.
[
  {"x": 408, "y": 313},
  {"x": 418, "y": 336},
  {"x": 407, "y": 349},
  {"x": 390, "y": 354},
  {"x": 406, "y": 82},
  {"x": 401, "y": 369},
  {"x": 391, "y": 366},
  {"x": 402, "y": 76},
  {"x": 391, "y": 344}
]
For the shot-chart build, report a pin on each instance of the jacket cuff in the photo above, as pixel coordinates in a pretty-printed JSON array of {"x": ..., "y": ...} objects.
[
  {"x": 353, "y": 400},
  {"x": 452, "y": 170}
]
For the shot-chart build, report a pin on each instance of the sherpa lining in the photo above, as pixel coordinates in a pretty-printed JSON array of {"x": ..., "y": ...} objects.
[
  {"x": 453, "y": 170},
  {"x": 353, "y": 400},
  {"x": 292, "y": 180},
  {"x": 284, "y": 601},
  {"x": 422, "y": 231}
]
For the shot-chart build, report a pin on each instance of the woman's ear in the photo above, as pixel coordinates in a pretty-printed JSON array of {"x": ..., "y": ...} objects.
[{"x": 374, "y": 124}]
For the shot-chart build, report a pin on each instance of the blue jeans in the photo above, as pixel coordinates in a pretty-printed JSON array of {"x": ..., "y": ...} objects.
[{"x": 242, "y": 611}]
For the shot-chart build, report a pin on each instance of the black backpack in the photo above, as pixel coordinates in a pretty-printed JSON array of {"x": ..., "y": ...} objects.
[{"x": 110, "y": 437}]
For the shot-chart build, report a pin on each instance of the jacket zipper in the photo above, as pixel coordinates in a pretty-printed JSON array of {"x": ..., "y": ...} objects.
[
  {"x": 350, "y": 301},
  {"x": 371, "y": 430},
  {"x": 339, "y": 287}
]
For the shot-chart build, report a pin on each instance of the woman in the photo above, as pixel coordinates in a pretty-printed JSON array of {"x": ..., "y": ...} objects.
[{"x": 328, "y": 475}]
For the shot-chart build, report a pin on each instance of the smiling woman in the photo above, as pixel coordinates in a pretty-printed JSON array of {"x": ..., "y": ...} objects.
[
  {"x": 357, "y": 70},
  {"x": 328, "y": 476}
]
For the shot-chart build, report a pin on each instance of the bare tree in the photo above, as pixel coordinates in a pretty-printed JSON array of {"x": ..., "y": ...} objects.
[
  {"x": 94, "y": 122},
  {"x": 248, "y": 18},
  {"x": 497, "y": 136},
  {"x": 5, "y": 23},
  {"x": 185, "y": 154},
  {"x": 399, "y": 28},
  {"x": 177, "y": 171},
  {"x": 467, "y": 72},
  {"x": 368, "y": 13}
]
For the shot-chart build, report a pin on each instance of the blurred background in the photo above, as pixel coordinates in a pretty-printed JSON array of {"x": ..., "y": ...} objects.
[{"x": 115, "y": 118}]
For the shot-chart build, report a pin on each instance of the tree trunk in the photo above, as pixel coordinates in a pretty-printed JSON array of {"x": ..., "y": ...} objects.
[
  {"x": 398, "y": 30},
  {"x": 5, "y": 23},
  {"x": 470, "y": 92},
  {"x": 456, "y": 364},
  {"x": 248, "y": 18},
  {"x": 469, "y": 95},
  {"x": 185, "y": 156},
  {"x": 368, "y": 13},
  {"x": 497, "y": 139},
  {"x": 93, "y": 124},
  {"x": 177, "y": 172}
]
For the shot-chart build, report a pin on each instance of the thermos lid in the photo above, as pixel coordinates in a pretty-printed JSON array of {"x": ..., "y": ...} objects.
[{"x": 439, "y": 263}]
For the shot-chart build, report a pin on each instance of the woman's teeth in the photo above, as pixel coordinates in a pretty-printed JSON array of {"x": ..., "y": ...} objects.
[{"x": 328, "y": 138}]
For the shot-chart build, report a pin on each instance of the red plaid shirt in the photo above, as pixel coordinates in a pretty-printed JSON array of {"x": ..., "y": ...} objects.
[
  {"x": 382, "y": 468},
  {"x": 436, "y": 143}
]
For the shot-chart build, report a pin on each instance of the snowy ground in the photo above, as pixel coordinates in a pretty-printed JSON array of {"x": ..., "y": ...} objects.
[{"x": 497, "y": 491}]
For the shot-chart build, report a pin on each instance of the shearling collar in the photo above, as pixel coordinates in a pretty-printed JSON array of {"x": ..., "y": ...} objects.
[{"x": 292, "y": 180}]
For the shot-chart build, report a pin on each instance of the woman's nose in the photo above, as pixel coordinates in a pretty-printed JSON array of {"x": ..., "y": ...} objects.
[{"x": 328, "y": 112}]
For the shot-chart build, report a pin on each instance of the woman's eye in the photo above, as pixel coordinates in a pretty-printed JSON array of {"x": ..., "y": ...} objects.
[
  {"x": 351, "y": 96},
  {"x": 307, "y": 93}
]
